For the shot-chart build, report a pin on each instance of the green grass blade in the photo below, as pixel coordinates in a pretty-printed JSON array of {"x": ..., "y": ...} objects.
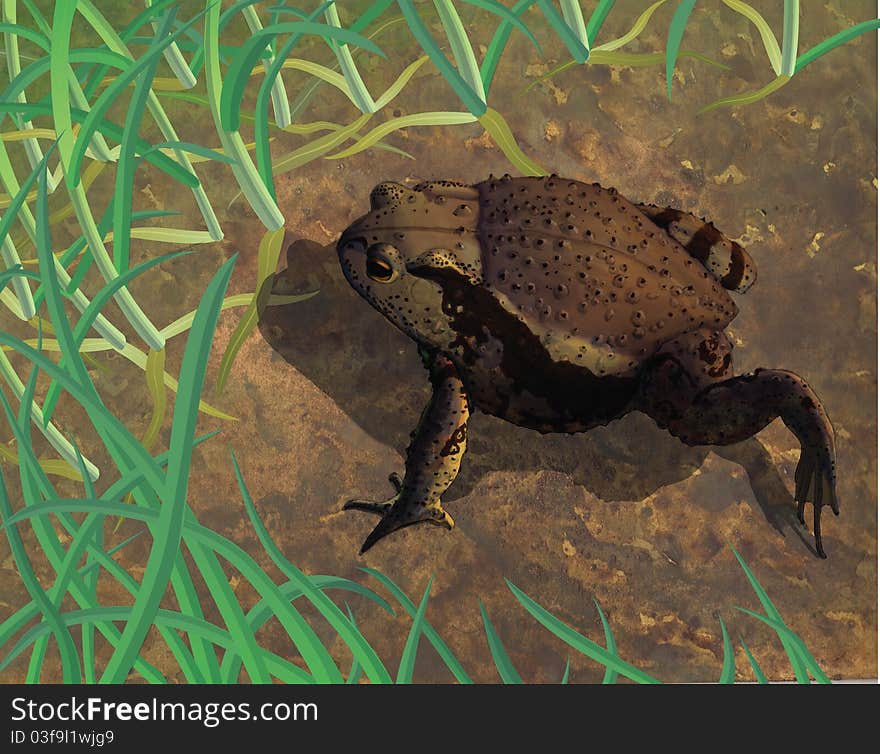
[
  {"x": 405, "y": 121},
  {"x": 565, "y": 673},
  {"x": 785, "y": 634},
  {"x": 832, "y": 42},
  {"x": 597, "y": 18},
  {"x": 569, "y": 38},
  {"x": 611, "y": 675},
  {"x": 637, "y": 28},
  {"x": 511, "y": 17},
  {"x": 258, "y": 194},
  {"x": 790, "y": 34},
  {"x": 156, "y": 386},
  {"x": 262, "y": 612},
  {"x": 439, "y": 645},
  {"x": 239, "y": 71},
  {"x": 472, "y": 100},
  {"x": 498, "y": 43},
  {"x": 495, "y": 125},
  {"x": 462, "y": 51},
  {"x": 354, "y": 675},
  {"x": 69, "y": 659},
  {"x": 411, "y": 648},
  {"x": 747, "y": 98},
  {"x": 131, "y": 70},
  {"x": 728, "y": 667},
  {"x": 90, "y": 314},
  {"x": 574, "y": 19},
  {"x": 774, "y": 54},
  {"x": 280, "y": 103},
  {"x": 353, "y": 638},
  {"x": 581, "y": 643},
  {"x": 359, "y": 92},
  {"x": 267, "y": 261},
  {"x": 168, "y": 529},
  {"x": 402, "y": 80},
  {"x": 505, "y": 667},
  {"x": 126, "y": 165},
  {"x": 756, "y": 668},
  {"x": 673, "y": 40}
]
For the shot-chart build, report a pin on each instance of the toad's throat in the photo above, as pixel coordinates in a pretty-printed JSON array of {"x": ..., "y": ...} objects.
[{"x": 574, "y": 393}]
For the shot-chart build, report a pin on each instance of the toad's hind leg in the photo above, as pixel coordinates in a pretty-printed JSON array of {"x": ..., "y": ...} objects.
[
  {"x": 727, "y": 261},
  {"x": 432, "y": 459},
  {"x": 679, "y": 392}
]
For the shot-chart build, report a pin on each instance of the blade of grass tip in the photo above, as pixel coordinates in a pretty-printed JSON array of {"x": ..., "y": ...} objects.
[
  {"x": 637, "y": 28},
  {"x": 571, "y": 637},
  {"x": 175, "y": 60},
  {"x": 353, "y": 638},
  {"x": 258, "y": 195},
  {"x": 408, "y": 657},
  {"x": 471, "y": 99},
  {"x": 597, "y": 18},
  {"x": 776, "y": 619},
  {"x": 565, "y": 674},
  {"x": 354, "y": 675},
  {"x": 838, "y": 39},
  {"x": 774, "y": 54},
  {"x": 756, "y": 668},
  {"x": 499, "y": 130},
  {"x": 673, "y": 40},
  {"x": 168, "y": 529},
  {"x": 790, "y": 32},
  {"x": 503, "y": 663},
  {"x": 611, "y": 675},
  {"x": 267, "y": 261},
  {"x": 728, "y": 666},
  {"x": 280, "y": 103},
  {"x": 439, "y": 645}
]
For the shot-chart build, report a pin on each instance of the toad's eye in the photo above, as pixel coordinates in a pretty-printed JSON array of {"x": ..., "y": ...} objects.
[{"x": 380, "y": 266}]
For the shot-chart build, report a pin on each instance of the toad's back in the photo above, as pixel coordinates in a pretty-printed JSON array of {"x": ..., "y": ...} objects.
[{"x": 590, "y": 273}]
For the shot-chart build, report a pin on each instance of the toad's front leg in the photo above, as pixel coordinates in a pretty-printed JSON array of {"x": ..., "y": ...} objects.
[{"x": 432, "y": 459}]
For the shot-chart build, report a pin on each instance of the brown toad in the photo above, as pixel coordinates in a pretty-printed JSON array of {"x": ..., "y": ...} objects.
[{"x": 560, "y": 306}]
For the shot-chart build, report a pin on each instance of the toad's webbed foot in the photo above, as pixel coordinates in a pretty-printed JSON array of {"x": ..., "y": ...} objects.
[
  {"x": 399, "y": 511},
  {"x": 814, "y": 481}
]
